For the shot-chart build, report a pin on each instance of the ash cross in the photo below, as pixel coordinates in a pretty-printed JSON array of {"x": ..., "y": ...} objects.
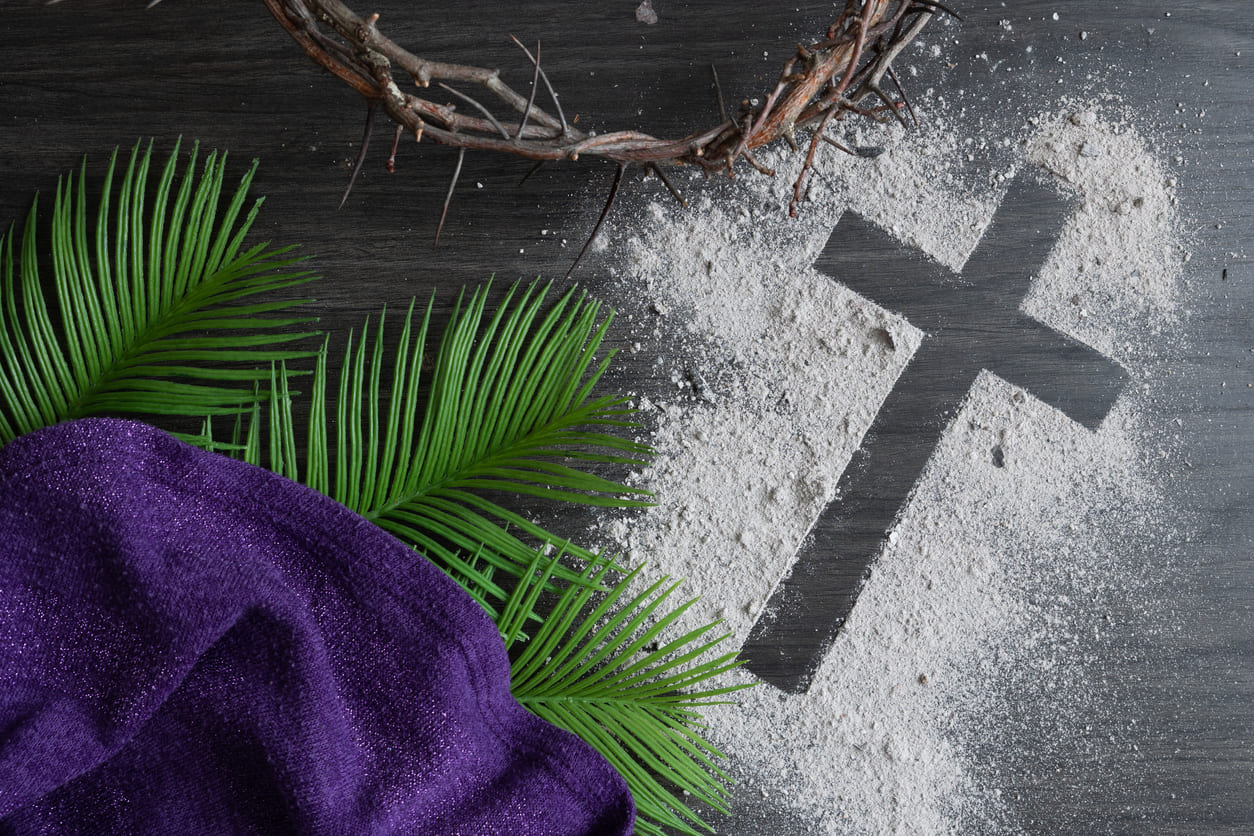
[{"x": 971, "y": 322}]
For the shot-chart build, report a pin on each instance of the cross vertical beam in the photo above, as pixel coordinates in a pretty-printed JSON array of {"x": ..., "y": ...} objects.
[{"x": 971, "y": 322}]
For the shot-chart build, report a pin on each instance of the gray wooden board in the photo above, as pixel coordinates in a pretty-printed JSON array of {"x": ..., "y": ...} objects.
[{"x": 88, "y": 75}]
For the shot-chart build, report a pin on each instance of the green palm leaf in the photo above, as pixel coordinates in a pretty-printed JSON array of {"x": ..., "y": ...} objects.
[
  {"x": 605, "y": 673},
  {"x": 507, "y": 408},
  {"x": 149, "y": 302}
]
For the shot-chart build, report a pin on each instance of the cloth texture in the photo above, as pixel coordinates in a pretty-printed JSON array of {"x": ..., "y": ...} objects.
[{"x": 189, "y": 644}]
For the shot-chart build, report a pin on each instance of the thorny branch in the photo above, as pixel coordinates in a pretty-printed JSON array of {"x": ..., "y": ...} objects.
[{"x": 820, "y": 83}]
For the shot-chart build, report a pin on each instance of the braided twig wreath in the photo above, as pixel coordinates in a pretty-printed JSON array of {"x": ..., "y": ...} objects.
[{"x": 839, "y": 74}]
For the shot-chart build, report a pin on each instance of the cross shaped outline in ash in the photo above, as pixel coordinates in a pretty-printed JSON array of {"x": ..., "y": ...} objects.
[{"x": 971, "y": 321}]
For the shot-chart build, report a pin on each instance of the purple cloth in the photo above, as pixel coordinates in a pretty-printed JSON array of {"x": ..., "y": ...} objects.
[{"x": 189, "y": 644}]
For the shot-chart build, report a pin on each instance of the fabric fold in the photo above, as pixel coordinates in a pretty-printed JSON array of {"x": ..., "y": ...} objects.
[{"x": 189, "y": 644}]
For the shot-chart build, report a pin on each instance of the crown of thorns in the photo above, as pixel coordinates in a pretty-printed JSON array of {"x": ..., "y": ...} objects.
[{"x": 840, "y": 74}]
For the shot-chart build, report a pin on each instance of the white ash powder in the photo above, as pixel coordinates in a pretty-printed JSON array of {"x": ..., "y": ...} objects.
[{"x": 998, "y": 570}]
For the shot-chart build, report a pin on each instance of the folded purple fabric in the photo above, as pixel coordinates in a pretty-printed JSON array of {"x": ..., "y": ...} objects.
[{"x": 189, "y": 644}]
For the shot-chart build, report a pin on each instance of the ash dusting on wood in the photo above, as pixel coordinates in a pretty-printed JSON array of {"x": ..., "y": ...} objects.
[{"x": 992, "y": 597}]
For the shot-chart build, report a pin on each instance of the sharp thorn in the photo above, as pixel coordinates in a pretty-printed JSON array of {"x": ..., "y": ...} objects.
[
  {"x": 906, "y": 99},
  {"x": 836, "y": 144},
  {"x": 487, "y": 113},
  {"x": 889, "y": 103},
  {"x": 769, "y": 172},
  {"x": 618, "y": 179},
  {"x": 932, "y": 4},
  {"x": 718, "y": 91},
  {"x": 531, "y": 100},
  {"x": 448, "y": 198},
  {"x": 545, "y": 78},
  {"x": 361, "y": 155},
  {"x": 531, "y": 171},
  {"x": 670, "y": 187},
  {"x": 396, "y": 142}
]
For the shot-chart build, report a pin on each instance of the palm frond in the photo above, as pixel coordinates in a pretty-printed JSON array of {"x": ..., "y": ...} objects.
[
  {"x": 605, "y": 672},
  {"x": 507, "y": 408},
  {"x": 149, "y": 301}
]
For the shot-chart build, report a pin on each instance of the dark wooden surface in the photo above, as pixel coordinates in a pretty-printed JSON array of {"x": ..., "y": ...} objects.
[{"x": 88, "y": 75}]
